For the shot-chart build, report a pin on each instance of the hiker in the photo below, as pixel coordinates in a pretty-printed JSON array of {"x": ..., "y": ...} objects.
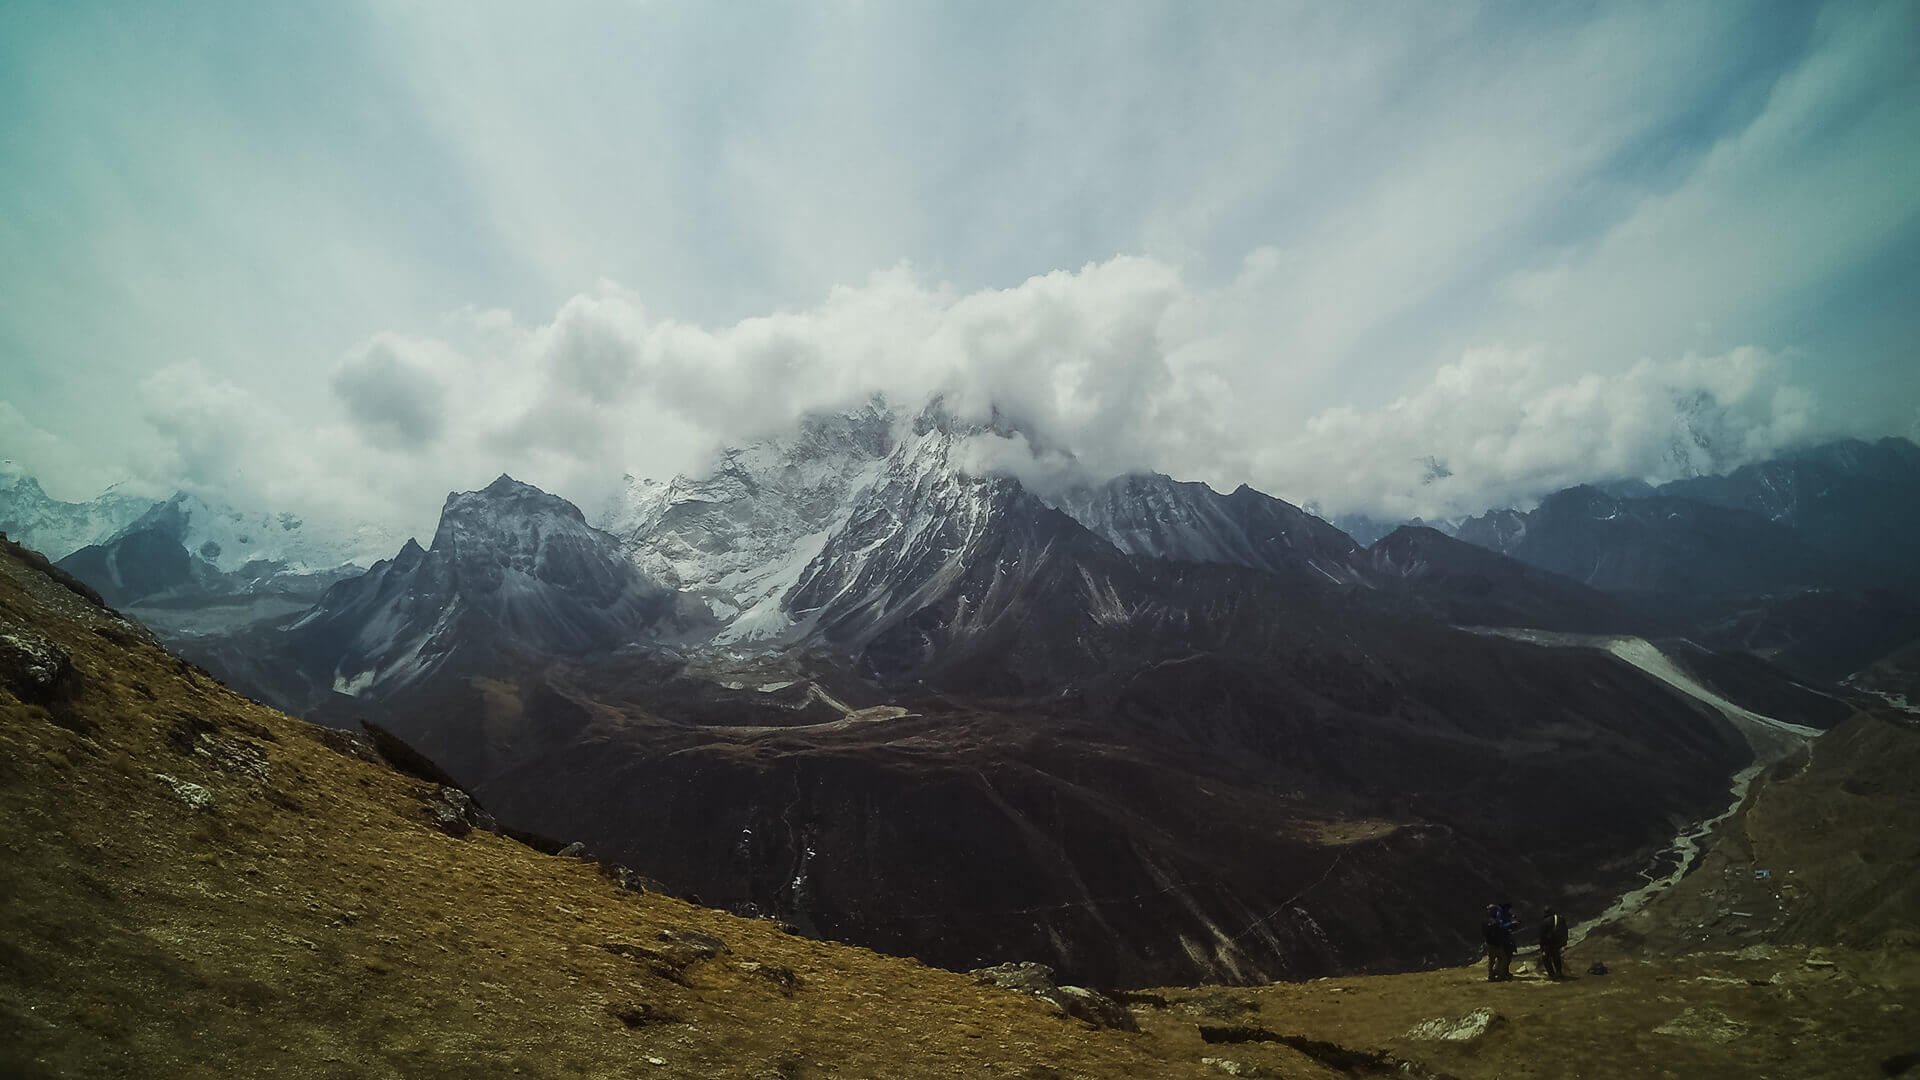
[
  {"x": 1511, "y": 925},
  {"x": 1553, "y": 938},
  {"x": 1498, "y": 930}
]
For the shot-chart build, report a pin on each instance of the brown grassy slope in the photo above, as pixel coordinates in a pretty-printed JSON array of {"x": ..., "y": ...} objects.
[
  {"x": 1762, "y": 1014},
  {"x": 308, "y": 921}
]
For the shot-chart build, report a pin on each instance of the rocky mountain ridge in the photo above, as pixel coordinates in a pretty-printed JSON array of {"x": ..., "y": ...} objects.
[{"x": 511, "y": 571}]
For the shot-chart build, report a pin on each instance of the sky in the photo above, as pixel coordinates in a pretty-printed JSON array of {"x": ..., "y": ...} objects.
[{"x": 1393, "y": 258}]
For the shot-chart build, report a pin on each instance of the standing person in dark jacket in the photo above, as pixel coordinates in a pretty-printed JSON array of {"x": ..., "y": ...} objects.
[
  {"x": 1498, "y": 930},
  {"x": 1553, "y": 938}
]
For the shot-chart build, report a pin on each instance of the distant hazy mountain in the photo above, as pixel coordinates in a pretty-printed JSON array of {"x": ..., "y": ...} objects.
[
  {"x": 56, "y": 529},
  {"x": 187, "y": 567},
  {"x": 1805, "y": 560},
  {"x": 1658, "y": 543},
  {"x": 1856, "y": 502},
  {"x": 1840, "y": 514}
]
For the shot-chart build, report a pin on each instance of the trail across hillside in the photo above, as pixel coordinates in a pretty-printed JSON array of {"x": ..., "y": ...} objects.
[{"x": 1771, "y": 740}]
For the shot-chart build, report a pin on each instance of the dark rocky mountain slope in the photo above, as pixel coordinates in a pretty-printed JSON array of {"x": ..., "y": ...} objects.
[
  {"x": 1153, "y": 515},
  {"x": 1660, "y": 543},
  {"x": 513, "y": 573},
  {"x": 1000, "y": 737},
  {"x": 1228, "y": 749},
  {"x": 1802, "y": 560}
]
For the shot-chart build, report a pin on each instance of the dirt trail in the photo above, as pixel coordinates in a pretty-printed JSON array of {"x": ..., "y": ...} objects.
[{"x": 1770, "y": 739}]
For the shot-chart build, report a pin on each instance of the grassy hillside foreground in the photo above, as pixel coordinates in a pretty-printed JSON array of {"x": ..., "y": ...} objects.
[{"x": 195, "y": 885}]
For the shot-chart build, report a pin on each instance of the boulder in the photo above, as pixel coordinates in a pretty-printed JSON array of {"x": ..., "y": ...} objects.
[
  {"x": 1703, "y": 1024},
  {"x": 1085, "y": 1005},
  {"x": 630, "y": 879},
  {"x": 695, "y": 943},
  {"x": 455, "y": 812},
  {"x": 32, "y": 666},
  {"x": 194, "y": 795},
  {"x": 1462, "y": 1029}
]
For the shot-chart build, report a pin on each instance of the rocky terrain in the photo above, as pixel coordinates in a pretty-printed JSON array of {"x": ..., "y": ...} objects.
[{"x": 196, "y": 885}]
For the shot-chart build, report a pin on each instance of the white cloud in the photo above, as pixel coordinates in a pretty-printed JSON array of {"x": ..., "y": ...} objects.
[
  {"x": 1503, "y": 427},
  {"x": 394, "y": 390},
  {"x": 63, "y": 470},
  {"x": 1123, "y": 364}
]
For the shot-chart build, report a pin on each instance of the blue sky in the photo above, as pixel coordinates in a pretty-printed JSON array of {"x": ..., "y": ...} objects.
[{"x": 345, "y": 257}]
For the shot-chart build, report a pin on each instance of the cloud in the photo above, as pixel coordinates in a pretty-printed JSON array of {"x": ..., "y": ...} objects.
[
  {"x": 392, "y": 389},
  {"x": 1121, "y": 365},
  {"x": 1503, "y": 427},
  {"x": 64, "y": 470}
]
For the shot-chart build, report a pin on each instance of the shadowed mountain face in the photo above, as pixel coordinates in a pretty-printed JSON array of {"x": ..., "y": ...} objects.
[
  {"x": 1152, "y": 515},
  {"x": 1856, "y": 502},
  {"x": 134, "y": 566},
  {"x": 1802, "y": 561},
  {"x": 1471, "y": 586},
  {"x": 513, "y": 572},
  {"x": 1329, "y": 795},
  {"x": 1657, "y": 544}
]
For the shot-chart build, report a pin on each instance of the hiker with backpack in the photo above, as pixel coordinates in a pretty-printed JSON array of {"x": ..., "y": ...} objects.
[
  {"x": 1553, "y": 938},
  {"x": 1498, "y": 932}
]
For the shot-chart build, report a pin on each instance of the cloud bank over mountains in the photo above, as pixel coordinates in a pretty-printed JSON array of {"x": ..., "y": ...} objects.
[
  {"x": 1120, "y": 366},
  {"x": 1400, "y": 262}
]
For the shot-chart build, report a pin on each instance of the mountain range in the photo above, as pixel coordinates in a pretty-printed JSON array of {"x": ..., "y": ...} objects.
[
  {"x": 851, "y": 677},
  {"x": 185, "y": 565}
]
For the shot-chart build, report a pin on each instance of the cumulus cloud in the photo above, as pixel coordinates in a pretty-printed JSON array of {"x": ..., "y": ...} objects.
[
  {"x": 1502, "y": 427},
  {"x": 1122, "y": 365},
  {"x": 65, "y": 471},
  {"x": 392, "y": 389}
]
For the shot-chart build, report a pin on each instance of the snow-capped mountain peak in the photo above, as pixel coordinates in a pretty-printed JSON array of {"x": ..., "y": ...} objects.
[
  {"x": 231, "y": 540},
  {"x": 512, "y": 570},
  {"x": 737, "y": 535},
  {"x": 56, "y": 528}
]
